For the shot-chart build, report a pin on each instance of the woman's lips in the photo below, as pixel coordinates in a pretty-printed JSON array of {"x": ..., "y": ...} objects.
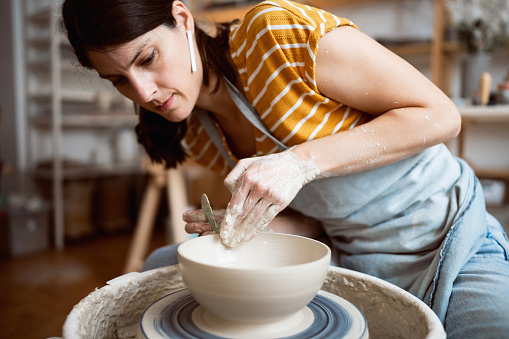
[{"x": 166, "y": 105}]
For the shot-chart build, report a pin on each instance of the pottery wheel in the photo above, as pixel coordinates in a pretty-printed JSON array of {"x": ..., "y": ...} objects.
[{"x": 178, "y": 315}]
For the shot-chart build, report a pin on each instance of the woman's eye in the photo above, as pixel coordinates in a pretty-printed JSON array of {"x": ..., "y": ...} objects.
[
  {"x": 150, "y": 58},
  {"x": 119, "y": 81}
]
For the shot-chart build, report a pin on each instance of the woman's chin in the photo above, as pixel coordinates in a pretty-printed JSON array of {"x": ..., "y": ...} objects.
[{"x": 172, "y": 116}]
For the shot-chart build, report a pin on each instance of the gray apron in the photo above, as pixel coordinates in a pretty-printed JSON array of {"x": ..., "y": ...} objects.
[{"x": 413, "y": 223}]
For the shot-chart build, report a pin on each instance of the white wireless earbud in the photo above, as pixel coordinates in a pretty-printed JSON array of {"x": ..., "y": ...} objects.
[{"x": 191, "y": 50}]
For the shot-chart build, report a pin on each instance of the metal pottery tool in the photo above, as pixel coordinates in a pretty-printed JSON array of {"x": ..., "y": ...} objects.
[{"x": 205, "y": 206}]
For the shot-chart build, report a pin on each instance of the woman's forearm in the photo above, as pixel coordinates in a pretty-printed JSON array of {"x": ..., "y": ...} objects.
[
  {"x": 386, "y": 139},
  {"x": 409, "y": 112}
]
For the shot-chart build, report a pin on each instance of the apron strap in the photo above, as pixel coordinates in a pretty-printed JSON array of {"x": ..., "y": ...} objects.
[
  {"x": 213, "y": 134},
  {"x": 247, "y": 110}
]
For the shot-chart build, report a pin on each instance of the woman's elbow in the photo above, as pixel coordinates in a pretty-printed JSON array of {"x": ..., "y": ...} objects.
[{"x": 452, "y": 122}]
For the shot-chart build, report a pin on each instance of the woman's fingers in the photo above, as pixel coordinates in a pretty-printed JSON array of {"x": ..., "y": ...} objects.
[
  {"x": 196, "y": 221},
  {"x": 251, "y": 199},
  {"x": 194, "y": 216},
  {"x": 236, "y": 173},
  {"x": 197, "y": 227},
  {"x": 254, "y": 193},
  {"x": 263, "y": 221},
  {"x": 238, "y": 227},
  {"x": 248, "y": 229}
]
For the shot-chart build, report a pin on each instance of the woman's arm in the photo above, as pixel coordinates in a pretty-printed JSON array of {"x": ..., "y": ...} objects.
[{"x": 411, "y": 112}]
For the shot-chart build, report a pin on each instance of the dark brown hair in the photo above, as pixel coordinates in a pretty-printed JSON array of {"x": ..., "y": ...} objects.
[{"x": 98, "y": 24}]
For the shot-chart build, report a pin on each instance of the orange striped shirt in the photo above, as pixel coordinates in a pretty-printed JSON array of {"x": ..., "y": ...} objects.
[{"x": 274, "y": 49}]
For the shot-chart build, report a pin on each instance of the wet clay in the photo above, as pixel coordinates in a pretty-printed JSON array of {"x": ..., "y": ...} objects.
[{"x": 114, "y": 310}]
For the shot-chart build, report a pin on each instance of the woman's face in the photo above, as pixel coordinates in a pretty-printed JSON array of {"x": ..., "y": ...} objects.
[{"x": 154, "y": 71}]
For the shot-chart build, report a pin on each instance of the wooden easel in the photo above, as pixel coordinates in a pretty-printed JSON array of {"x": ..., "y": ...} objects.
[{"x": 159, "y": 178}]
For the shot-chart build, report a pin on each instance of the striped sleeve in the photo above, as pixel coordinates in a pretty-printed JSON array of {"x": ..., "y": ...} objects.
[{"x": 274, "y": 49}]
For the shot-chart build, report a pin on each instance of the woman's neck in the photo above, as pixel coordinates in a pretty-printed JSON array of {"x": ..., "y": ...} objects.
[
  {"x": 235, "y": 126},
  {"x": 219, "y": 102}
]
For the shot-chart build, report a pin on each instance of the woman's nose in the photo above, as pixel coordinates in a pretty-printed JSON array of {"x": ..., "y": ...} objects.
[{"x": 144, "y": 89}]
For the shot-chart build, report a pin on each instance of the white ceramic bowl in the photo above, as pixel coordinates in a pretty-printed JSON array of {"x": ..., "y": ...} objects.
[{"x": 267, "y": 279}]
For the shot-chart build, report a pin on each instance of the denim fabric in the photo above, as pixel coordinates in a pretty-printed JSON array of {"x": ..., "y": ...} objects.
[
  {"x": 161, "y": 257},
  {"x": 463, "y": 240},
  {"x": 479, "y": 303},
  {"x": 413, "y": 223}
]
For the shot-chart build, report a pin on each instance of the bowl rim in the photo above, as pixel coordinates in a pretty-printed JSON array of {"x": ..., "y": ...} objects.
[{"x": 326, "y": 256}]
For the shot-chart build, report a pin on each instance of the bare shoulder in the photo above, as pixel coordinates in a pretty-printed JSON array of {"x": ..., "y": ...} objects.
[{"x": 354, "y": 69}]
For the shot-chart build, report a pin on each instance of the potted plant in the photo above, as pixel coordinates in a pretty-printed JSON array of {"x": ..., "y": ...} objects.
[{"x": 482, "y": 27}]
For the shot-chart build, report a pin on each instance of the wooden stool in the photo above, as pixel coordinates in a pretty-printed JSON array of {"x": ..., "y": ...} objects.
[{"x": 160, "y": 178}]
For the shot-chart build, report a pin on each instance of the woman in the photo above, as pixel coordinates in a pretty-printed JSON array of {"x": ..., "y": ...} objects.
[{"x": 303, "y": 110}]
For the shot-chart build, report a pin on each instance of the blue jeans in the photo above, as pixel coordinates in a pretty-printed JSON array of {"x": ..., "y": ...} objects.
[
  {"x": 479, "y": 304},
  {"x": 161, "y": 257}
]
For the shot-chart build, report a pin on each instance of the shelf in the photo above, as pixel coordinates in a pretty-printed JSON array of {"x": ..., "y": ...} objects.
[
  {"x": 39, "y": 41},
  {"x": 113, "y": 119},
  {"x": 225, "y": 14},
  {"x": 54, "y": 89},
  {"x": 492, "y": 173},
  {"x": 411, "y": 48},
  {"x": 484, "y": 114},
  {"x": 90, "y": 172},
  {"x": 66, "y": 95},
  {"x": 41, "y": 14},
  {"x": 419, "y": 47},
  {"x": 451, "y": 47}
]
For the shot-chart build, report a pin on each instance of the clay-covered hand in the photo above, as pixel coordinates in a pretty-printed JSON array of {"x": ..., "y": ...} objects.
[
  {"x": 262, "y": 187},
  {"x": 196, "y": 221}
]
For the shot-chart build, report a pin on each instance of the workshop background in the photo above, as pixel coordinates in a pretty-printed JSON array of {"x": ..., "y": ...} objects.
[{"x": 79, "y": 202}]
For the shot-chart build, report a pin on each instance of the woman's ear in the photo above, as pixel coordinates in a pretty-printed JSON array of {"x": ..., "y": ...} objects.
[{"x": 183, "y": 16}]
